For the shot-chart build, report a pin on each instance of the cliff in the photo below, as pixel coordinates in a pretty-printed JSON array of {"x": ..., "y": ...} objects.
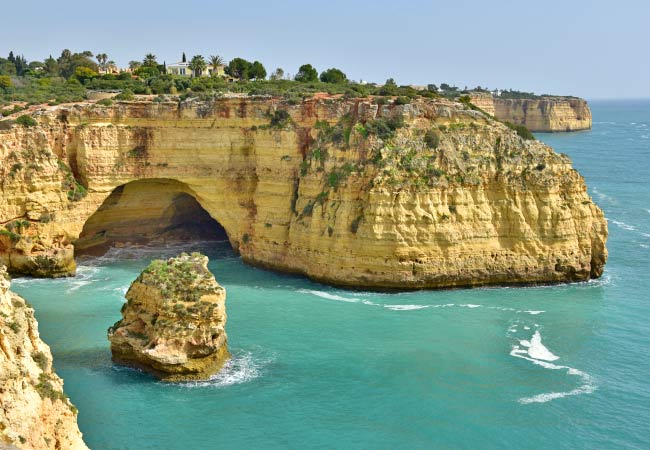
[
  {"x": 544, "y": 114},
  {"x": 346, "y": 191},
  {"x": 173, "y": 324},
  {"x": 34, "y": 412}
]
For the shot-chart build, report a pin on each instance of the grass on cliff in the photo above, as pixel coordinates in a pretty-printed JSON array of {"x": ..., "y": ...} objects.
[{"x": 184, "y": 278}]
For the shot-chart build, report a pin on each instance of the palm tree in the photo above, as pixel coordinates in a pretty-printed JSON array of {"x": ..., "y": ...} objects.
[
  {"x": 150, "y": 60},
  {"x": 216, "y": 61},
  {"x": 197, "y": 65},
  {"x": 101, "y": 59}
]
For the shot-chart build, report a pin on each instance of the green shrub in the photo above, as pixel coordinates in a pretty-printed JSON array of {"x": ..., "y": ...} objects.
[
  {"x": 384, "y": 128},
  {"x": 402, "y": 100},
  {"x": 40, "y": 359},
  {"x": 521, "y": 130},
  {"x": 126, "y": 95},
  {"x": 432, "y": 139},
  {"x": 105, "y": 102},
  {"x": 26, "y": 121},
  {"x": 280, "y": 119}
]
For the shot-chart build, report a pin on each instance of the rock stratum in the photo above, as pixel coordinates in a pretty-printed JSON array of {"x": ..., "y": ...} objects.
[
  {"x": 346, "y": 191},
  {"x": 542, "y": 114},
  {"x": 173, "y": 324},
  {"x": 34, "y": 411}
]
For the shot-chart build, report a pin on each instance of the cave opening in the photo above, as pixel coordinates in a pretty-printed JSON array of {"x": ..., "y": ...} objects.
[{"x": 147, "y": 213}]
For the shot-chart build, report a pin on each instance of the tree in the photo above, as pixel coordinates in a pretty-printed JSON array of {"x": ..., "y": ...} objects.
[
  {"x": 134, "y": 65},
  {"x": 68, "y": 62},
  {"x": 239, "y": 68},
  {"x": 333, "y": 75},
  {"x": 101, "y": 59},
  {"x": 216, "y": 61},
  {"x": 257, "y": 71},
  {"x": 150, "y": 60},
  {"x": 307, "y": 73},
  {"x": 7, "y": 67},
  {"x": 278, "y": 74},
  {"x": 5, "y": 81},
  {"x": 51, "y": 67},
  {"x": 84, "y": 73},
  {"x": 184, "y": 58},
  {"x": 432, "y": 88},
  {"x": 197, "y": 65}
]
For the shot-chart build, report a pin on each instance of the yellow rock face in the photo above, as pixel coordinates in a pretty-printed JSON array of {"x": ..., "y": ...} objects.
[
  {"x": 548, "y": 114},
  {"x": 345, "y": 191},
  {"x": 173, "y": 324},
  {"x": 34, "y": 411}
]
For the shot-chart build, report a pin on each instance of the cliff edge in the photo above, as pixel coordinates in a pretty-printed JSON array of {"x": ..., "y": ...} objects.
[
  {"x": 35, "y": 413},
  {"x": 355, "y": 192}
]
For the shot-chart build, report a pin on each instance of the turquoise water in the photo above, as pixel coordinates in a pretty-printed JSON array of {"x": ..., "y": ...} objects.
[{"x": 316, "y": 367}]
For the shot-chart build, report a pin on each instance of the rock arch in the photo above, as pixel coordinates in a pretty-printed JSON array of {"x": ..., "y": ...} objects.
[{"x": 157, "y": 210}]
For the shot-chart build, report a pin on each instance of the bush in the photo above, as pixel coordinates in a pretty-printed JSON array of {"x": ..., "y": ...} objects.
[
  {"x": 432, "y": 139},
  {"x": 5, "y": 81},
  {"x": 333, "y": 75},
  {"x": 384, "y": 128},
  {"x": 280, "y": 119},
  {"x": 402, "y": 100},
  {"x": 105, "y": 102},
  {"x": 26, "y": 121},
  {"x": 126, "y": 94},
  {"x": 521, "y": 130}
]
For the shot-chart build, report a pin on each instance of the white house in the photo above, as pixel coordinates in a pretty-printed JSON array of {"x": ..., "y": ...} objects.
[{"x": 183, "y": 69}]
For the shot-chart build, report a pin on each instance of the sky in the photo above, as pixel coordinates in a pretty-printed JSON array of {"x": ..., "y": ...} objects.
[{"x": 593, "y": 49}]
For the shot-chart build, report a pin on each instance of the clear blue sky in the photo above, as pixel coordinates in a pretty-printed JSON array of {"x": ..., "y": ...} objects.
[{"x": 593, "y": 49}]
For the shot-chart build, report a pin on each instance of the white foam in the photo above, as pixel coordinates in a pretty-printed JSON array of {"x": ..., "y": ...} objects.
[
  {"x": 329, "y": 296},
  {"x": 537, "y": 350},
  {"x": 533, "y": 312},
  {"x": 405, "y": 307},
  {"x": 623, "y": 225},
  {"x": 539, "y": 355},
  {"x": 238, "y": 369},
  {"x": 469, "y": 305},
  {"x": 526, "y": 328}
]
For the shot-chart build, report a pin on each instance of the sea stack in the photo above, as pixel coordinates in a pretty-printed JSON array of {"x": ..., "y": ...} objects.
[{"x": 173, "y": 324}]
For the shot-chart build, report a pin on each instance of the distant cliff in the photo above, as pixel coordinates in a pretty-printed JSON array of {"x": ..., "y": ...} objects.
[{"x": 543, "y": 114}]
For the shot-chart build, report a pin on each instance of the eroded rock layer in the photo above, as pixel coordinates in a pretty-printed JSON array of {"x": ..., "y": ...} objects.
[
  {"x": 544, "y": 114},
  {"x": 173, "y": 324},
  {"x": 34, "y": 412},
  {"x": 346, "y": 191}
]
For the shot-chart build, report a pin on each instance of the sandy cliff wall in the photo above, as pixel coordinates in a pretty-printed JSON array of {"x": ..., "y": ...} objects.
[
  {"x": 332, "y": 192},
  {"x": 34, "y": 412},
  {"x": 545, "y": 114}
]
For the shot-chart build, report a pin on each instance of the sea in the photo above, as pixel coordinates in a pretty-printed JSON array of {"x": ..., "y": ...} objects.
[{"x": 316, "y": 367}]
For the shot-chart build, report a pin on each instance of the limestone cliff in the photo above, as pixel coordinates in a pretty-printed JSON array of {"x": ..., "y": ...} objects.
[
  {"x": 34, "y": 411},
  {"x": 173, "y": 324},
  {"x": 542, "y": 114},
  {"x": 346, "y": 191}
]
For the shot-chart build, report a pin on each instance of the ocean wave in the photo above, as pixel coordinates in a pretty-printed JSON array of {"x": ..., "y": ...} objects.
[
  {"x": 406, "y": 307},
  {"x": 623, "y": 225},
  {"x": 241, "y": 368},
  {"x": 329, "y": 296},
  {"x": 536, "y": 352}
]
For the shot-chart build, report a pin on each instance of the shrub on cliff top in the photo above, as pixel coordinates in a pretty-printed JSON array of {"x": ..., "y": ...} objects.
[
  {"x": 26, "y": 121},
  {"x": 521, "y": 130}
]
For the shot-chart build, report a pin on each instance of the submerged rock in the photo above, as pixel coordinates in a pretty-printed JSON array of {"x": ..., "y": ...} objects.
[
  {"x": 35, "y": 413},
  {"x": 173, "y": 324}
]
